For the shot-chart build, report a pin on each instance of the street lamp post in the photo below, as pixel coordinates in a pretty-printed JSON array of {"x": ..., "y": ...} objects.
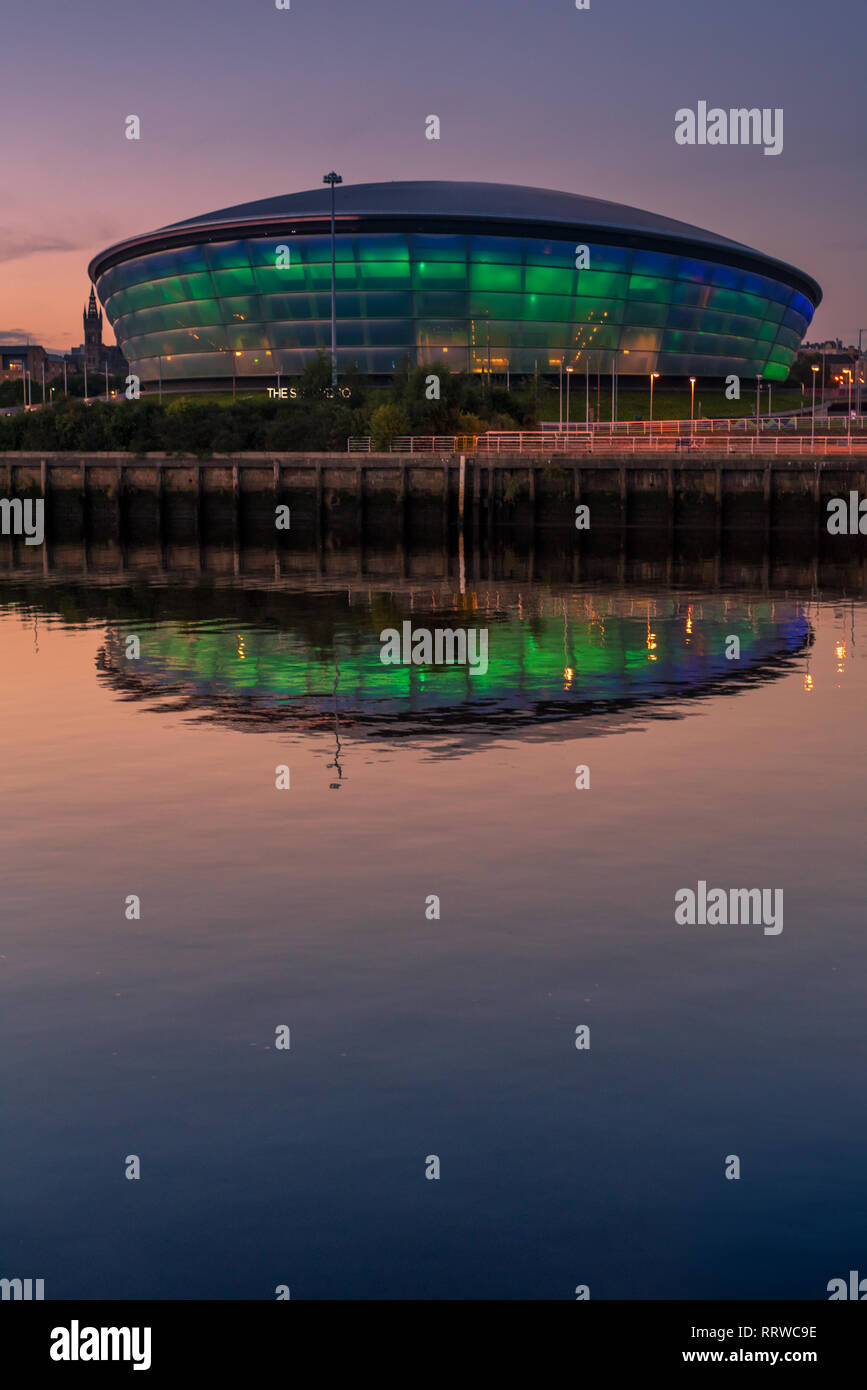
[
  {"x": 613, "y": 387},
  {"x": 569, "y": 371},
  {"x": 560, "y": 429},
  {"x": 823, "y": 376},
  {"x": 598, "y": 390},
  {"x": 813, "y": 428},
  {"x": 587, "y": 390},
  {"x": 333, "y": 179},
  {"x": 653, "y": 375},
  {"x": 691, "y": 405},
  {"x": 849, "y": 407},
  {"x": 758, "y": 403}
]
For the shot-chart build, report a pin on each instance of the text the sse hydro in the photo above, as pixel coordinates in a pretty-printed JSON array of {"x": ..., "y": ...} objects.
[{"x": 466, "y": 276}]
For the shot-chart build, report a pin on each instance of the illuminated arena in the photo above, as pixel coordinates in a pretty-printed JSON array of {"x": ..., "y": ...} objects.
[{"x": 469, "y": 276}]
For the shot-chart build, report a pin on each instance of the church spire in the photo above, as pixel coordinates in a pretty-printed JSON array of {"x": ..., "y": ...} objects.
[{"x": 92, "y": 317}]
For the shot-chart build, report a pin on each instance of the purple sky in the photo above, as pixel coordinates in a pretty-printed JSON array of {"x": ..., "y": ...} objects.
[{"x": 240, "y": 100}]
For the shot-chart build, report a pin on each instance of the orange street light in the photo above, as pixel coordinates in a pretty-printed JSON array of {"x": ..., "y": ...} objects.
[{"x": 653, "y": 377}]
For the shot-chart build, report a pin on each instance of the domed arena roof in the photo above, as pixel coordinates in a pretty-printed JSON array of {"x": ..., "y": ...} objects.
[
  {"x": 507, "y": 209},
  {"x": 474, "y": 201}
]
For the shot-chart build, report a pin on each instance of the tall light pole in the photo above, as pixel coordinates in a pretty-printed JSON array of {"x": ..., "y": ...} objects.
[
  {"x": 758, "y": 403},
  {"x": 849, "y": 407},
  {"x": 617, "y": 383},
  {"x": 823, "y": 376},
  {"x": 235, "y": 354},
  {"x": 333, "y": 179},
  {"x": 598, "y": 389},
  {"x": 813, "y": 429},
  {"x": 84, "y": 363},
  {"x": 561, "y": 396},
  {"x": 691, "y": 404},
  {"x": 587, "y": 390},
  {"x": 569, "y": 371},
  {"x": 653, "y": 375}
]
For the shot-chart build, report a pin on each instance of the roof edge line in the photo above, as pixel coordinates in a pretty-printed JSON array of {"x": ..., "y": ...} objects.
[{"x": 723, "y": 251}]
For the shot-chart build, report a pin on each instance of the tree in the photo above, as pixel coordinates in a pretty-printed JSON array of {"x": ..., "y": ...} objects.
[
  {"x": 386, "y": 423},
  {"x": 315, "y": 379}
]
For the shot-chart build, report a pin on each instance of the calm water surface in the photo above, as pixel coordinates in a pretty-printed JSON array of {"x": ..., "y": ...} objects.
[{"x": 412, "y": 1037}]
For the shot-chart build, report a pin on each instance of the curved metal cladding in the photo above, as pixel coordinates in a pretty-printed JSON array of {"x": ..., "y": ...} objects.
[{"x": 467, "y": 276}]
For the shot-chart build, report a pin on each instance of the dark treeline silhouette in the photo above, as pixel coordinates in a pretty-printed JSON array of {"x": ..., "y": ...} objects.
[{"x": 183, "y": 424}]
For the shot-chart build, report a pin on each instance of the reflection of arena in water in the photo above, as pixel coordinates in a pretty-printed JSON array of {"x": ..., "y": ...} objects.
[{"x": 550, "y": 658}]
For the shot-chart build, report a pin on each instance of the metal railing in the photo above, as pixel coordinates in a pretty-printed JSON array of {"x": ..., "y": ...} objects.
[
  {"x": 791, "y": 423},
  {"x": 600, "y": 445},
  {"x": 537, "y": 442}
]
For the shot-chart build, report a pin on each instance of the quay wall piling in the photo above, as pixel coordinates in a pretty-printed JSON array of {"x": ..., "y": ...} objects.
[{"x": 709, "y": 489}]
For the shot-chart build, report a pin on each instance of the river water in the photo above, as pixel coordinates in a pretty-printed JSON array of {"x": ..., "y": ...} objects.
[{"x": 419, "y": 1031}]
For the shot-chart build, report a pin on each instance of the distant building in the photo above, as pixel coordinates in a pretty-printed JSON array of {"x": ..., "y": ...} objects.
[
  {"x": 836, "y": 363},
  {"x": 18, "y": 358},
  {"x": 117, "y": 363},
  {"x": 93, "y": 352}
]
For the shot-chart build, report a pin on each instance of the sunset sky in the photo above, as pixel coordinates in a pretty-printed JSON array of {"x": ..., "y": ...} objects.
[{"x": 239, "y": 100}]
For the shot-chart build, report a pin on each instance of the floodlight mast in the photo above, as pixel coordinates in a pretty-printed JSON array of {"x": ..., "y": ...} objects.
[{"x": 333, "y": 179}]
